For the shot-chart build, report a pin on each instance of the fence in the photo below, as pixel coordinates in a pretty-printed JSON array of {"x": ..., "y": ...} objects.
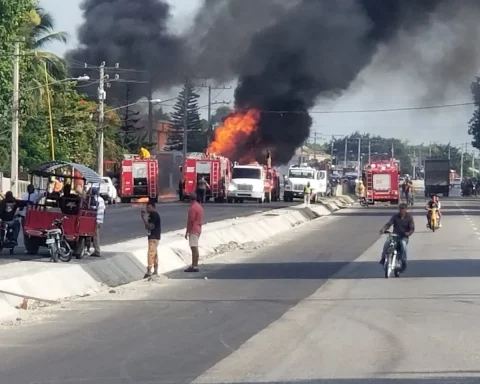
[{"x": 5, "y": 185}]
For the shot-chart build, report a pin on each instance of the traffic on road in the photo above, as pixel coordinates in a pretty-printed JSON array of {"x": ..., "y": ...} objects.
[{"x": 259, "y": 315}]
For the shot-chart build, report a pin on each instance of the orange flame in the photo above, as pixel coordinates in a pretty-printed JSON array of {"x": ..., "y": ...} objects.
[{"x": 234, "y": 132}]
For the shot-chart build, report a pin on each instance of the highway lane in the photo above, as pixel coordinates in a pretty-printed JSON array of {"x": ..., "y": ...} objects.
[
  {"x": 123, "y": 222},
  {"x": 177, "y": 329},
  {"x": 313, "y": 308}
]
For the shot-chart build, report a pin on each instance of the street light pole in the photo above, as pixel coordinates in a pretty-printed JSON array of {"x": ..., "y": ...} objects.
[
  {"x": 15, "y": 118},
  {"x": 185, "y": 119},
  {"x": 101, "y": 117},
  {"x": 359, "y": 158},
  {"x": 345, "y": 155}
]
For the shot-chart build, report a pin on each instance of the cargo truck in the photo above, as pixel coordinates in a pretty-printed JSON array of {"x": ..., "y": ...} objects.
[{"x": 437, "y": 177}]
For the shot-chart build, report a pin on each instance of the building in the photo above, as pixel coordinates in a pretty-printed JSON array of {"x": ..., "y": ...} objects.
[
  {"x": 162, "y": 129},
  {"x": 305, "y": 154}
]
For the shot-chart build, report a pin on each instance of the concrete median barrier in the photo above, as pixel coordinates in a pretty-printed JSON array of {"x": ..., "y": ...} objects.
[{"x": 42, "y": 281}]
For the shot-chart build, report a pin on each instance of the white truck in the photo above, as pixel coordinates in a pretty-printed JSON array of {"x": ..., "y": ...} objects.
[
  {"x": 247, "y": 183},
  {"x": 297, "y": 179}
]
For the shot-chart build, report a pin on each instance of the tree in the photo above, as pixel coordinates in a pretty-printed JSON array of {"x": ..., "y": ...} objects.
[
  {"x": 194, "y": 128},
  {"x": 129, "y": 135},
  {"x": 474, "y": 124},
  {"x": 159, "y": 114},
  {"x": 380, "y": 148}
]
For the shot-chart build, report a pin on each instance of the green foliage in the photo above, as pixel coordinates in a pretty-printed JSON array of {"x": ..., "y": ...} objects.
[
  {"x": 13, "y": 16},
  {"x": 474, "y": 124},
  {"x": 380, "y": 148},
  {"x": 196, "y": 133},
  {"x": 129, "y": 134}
]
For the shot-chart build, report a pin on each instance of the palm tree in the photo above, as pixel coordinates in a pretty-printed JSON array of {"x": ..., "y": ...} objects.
[{"x": 41, "y": 34}]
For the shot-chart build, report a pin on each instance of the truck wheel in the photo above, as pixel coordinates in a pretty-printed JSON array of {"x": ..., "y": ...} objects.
[
  {"x": 268, "y": 197},
  {"x": 445, "y": 194},
  {"x": 229, "y": 200}
]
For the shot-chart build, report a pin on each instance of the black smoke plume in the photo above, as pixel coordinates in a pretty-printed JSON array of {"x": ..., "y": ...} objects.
[
  {"x": 134, "y": 34},
  {"x": 317, "y": 48}
]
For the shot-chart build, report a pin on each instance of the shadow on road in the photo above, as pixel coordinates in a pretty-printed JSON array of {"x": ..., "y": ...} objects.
[{"x": 328, "y": 270}]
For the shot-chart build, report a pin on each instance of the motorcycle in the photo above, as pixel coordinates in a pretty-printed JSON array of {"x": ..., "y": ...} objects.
[
  {"x": 56, "y": 242},
  {"x": 393, "y": 264},
  {"x": 433, "y": 219},
  {"x": 363, "y": 201},
  {"x": 6, "y": 233}
]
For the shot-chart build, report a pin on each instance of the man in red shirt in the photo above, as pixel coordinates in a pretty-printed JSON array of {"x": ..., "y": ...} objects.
[{"x": 194, "y": 230}]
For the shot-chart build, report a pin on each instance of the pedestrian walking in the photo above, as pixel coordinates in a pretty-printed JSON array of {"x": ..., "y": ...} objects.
[
  {"x": 153, "y": 225},
  {"x": 194, "y": 230}
]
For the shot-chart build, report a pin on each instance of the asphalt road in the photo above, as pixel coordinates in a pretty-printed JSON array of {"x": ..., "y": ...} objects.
[
  {"x": 123, "y": 221},
  {"x": 182, "y": 327},
  {"x": 312, "y": 308}
]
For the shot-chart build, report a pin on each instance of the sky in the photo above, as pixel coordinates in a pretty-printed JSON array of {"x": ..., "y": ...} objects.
[{"x": 375, "y": 88}]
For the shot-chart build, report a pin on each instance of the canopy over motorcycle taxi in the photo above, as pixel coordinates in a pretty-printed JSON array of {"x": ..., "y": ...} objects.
[{"x": 64, "y": 187}]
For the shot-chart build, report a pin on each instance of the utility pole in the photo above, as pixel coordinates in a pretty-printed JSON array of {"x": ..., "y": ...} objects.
[
  {"x": 359, "y": 158},
  {"x": 150, "y": 112},
  {"x": 210, "y": 103},
  {"x": 101, "y": 117},
  {"x": 414, "y": 163},
  {"x": 15, "y": 118},
  {"x": 461, "y": 160},
  {"x": 369, "y": 151},
  {"x": 345, "y": 154},
  {"x": 186, "y": 95},
  {"x": 103, "y": 81},
  {"x": 473, "y": 164},
  {"x": 331, "y": 149},
  {"x": 315, "y": 145}
]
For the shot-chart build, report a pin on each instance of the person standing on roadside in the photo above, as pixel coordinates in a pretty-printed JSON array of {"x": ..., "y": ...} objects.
[
  {"x": 202, "y": 187},
  {"x": 98, "y": 203},
  {"x": 153, "y": 224},
  {"x": 194, "y": 230}
]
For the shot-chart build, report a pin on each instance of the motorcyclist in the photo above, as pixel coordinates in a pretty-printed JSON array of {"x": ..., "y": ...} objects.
[
  {"x": 403, "y": 226},
  {"x": 8, "y": 207},
  {"x": 431, "y": 205}
]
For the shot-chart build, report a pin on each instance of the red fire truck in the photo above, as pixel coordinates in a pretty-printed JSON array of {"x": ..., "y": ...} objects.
[
  {"x": 381, "y": 180},
  {"x": 138, "y": 178},
  {"x": 215, "y": 169}
]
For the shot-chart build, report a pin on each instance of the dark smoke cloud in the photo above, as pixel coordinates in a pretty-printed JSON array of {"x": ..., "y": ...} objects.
[
  {"x": 318, "y": 47},
  {"x": 135, "y": 35},
  {"x": 286, "y": 54}
]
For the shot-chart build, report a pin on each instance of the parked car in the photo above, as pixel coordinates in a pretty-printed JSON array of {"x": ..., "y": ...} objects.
[{"x": 108, "y": 191}]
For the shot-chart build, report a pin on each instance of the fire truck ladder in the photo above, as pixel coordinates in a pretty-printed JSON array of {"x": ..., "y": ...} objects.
[
  {"x": 152, "y": 176},
  {"x": 369, "y": 177},
  {"x": 214, "y": 181}
]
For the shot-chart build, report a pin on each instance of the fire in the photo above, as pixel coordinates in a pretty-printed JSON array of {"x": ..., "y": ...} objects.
[{"x": 234, "y": 132}]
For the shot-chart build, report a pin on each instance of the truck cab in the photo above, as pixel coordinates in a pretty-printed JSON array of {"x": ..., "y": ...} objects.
[
  {"x": 247, "y": 183},
  {"x": 297, "y": 179}
]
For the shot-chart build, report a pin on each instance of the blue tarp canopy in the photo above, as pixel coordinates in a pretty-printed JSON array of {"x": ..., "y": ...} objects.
[{"x": 49, "y": 168}]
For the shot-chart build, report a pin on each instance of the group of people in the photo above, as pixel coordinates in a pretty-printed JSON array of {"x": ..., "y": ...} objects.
[
  {"x": 470, "y": 187},
  {"x": 13, "y": 211},
  {"x": 153, "y": 225},
  {"x": 404, "y": 227},
  {"x": 202, "y": 187}
]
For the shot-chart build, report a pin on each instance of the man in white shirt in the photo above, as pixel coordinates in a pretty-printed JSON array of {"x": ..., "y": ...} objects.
[
  {"x": 32, "y": 197},
  {"x": 99, "y": 204}
]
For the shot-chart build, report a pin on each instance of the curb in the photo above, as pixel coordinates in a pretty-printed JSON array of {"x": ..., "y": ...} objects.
[{"x": 126, "y": 262}]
